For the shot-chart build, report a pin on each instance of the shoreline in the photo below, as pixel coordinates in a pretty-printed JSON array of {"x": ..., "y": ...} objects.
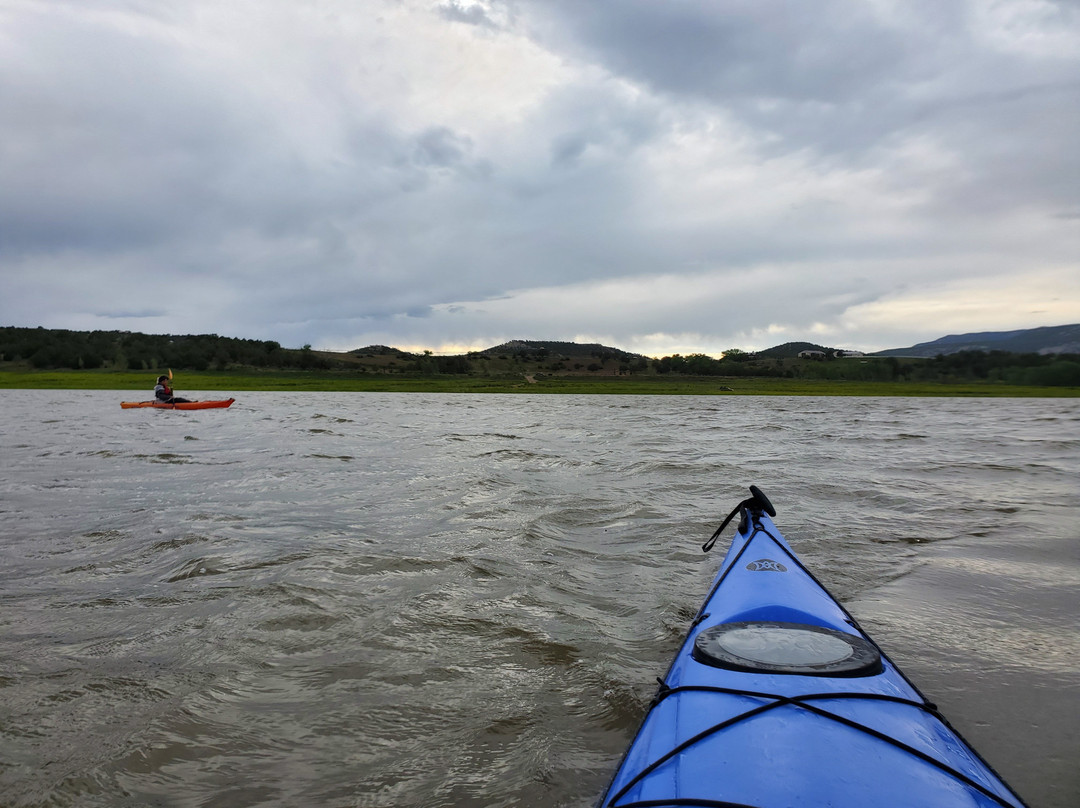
[{"x": 343, "y": 382}]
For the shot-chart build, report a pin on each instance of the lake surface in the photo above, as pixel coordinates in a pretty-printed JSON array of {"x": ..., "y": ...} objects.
[{"x": 453, "y": 600}]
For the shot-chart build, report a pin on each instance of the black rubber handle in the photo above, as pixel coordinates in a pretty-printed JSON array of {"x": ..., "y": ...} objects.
[{"x": 763, "y": 500}]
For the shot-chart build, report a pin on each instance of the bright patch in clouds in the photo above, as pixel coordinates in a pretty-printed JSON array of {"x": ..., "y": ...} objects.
[{"x": 1039, "y": 297}]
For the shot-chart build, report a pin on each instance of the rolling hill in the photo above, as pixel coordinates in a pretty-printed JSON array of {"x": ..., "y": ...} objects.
[{"x": 1047, "y": 340}]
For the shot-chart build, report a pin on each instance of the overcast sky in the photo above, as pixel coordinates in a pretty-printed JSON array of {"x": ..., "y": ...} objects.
[{"x": 658, "y": 175}]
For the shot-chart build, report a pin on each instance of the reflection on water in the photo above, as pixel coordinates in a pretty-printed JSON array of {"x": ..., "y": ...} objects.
[{"x": 453, "y": 600}]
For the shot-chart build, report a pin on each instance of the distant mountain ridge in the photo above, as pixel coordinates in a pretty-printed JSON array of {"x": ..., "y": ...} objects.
[
  {"x": 1045, "y": 340},
  {"x": 527, "y": 346},
  {"x": 43, "y": 348},
  {"x": 1059, "y": 339},
  {"x": 790, "y": 350}
]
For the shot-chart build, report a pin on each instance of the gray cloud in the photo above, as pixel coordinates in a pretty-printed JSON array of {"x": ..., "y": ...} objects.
[
  {"x": 474, "y": 14},
  {"x": 408, "y": 173}
]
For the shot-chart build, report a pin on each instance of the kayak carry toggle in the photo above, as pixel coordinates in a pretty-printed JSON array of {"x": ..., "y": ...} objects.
[{"x": 757, "y": 503}]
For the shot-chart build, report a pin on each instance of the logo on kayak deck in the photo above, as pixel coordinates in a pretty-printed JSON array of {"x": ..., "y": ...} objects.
[{"x": 766, "y": 565}]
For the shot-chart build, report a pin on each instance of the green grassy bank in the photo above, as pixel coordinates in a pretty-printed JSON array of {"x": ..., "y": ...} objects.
[{"x": 233, "y": 382}]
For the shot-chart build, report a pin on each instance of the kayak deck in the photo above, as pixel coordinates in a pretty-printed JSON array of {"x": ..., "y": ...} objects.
[
  {"x": 184, "y": 405},
  {"x": 778, "y": 698}
]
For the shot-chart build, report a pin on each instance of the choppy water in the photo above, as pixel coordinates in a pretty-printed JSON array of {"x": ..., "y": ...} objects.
[{"x": 454, "y": 600}]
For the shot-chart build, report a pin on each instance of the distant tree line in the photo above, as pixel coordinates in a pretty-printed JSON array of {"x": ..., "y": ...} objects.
[
  {"x": 430, "y": 365},
  {"x": 56, "y": 348},
  {"x": 1043, "y": 370},
  {"x": 734, "y": 362},
  {"x": 1051, "y": 370}
]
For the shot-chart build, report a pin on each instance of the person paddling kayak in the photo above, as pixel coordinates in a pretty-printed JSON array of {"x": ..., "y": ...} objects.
[{"x": 162, "y": 392}]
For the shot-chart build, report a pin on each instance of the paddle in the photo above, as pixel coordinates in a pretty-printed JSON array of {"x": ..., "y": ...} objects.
[{"x": 175, "y": 399}]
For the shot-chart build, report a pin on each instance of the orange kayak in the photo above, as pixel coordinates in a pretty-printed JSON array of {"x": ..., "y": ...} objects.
[{"x": 188, "y": 405}]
